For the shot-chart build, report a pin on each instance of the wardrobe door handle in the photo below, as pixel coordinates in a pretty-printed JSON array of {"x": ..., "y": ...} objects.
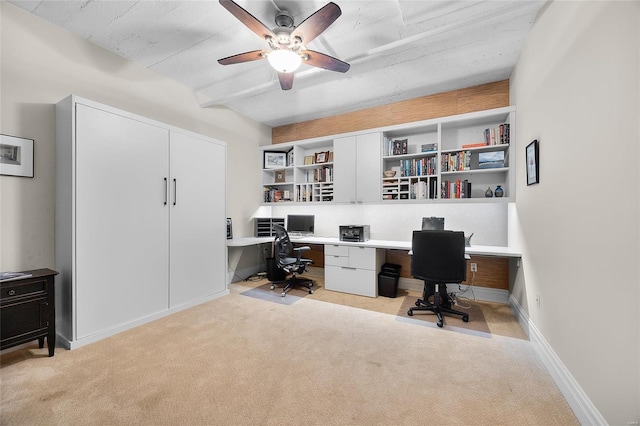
[
  {"x": 175, "y": 191},
  {"x": 166, "y": 191}
]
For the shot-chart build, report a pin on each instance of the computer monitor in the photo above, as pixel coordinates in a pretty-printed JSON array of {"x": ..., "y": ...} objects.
[
  {"x": 300, "y": 224},
  {"x": 433, "y": 223}
]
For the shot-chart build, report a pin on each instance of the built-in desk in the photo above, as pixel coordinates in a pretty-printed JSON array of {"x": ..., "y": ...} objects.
[
  {"x": 382, "y": 244},
  {"x": 347, "y": 275}
]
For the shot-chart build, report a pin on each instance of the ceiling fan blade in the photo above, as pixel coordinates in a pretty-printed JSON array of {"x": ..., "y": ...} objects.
[
  {"x": 327, "y": 62},
  {"x": 248, "y": 19},
  {"x": 254, "y": 55},
  {"x": 286, "y": 80},
  {"x": 315, "y": 24}
]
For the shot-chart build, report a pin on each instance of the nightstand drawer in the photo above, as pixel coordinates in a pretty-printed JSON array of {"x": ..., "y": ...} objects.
[{"x": 28, "y": 288}]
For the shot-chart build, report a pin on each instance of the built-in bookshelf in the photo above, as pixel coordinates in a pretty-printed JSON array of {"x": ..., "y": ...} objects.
[
  {"x": 444, "y": 159},
  {"x": 452, "y": 158},
  {"x": 306, "y": 174}
]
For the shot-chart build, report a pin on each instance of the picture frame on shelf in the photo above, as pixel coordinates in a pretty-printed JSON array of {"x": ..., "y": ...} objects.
[
  {"x": 16, "y": 156},
  {"x": 309, "y": 159},
  {"x": 533, "y": 162},
  {"x": 274, "y": 160},
  {"x": 322, "y": 157},
  {"x": 290, "y": 157},
  {"x": 280, "y": 176}
]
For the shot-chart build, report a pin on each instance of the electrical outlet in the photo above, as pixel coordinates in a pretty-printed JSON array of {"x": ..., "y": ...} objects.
[{"x": 474, "y": 267}]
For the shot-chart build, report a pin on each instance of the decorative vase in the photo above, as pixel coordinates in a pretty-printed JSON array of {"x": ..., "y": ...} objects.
[
  {"x": 488, "y": 193},
  {"x": 499, "y": 191}
]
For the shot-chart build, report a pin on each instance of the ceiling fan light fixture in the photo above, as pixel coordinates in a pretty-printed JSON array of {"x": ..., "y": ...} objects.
[{"x": 284, "y": 60}]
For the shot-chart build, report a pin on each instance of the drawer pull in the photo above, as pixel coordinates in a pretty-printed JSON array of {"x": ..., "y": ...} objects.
[
  {"x": 12, "y": 292},
  {"x": 349, "y": 267}
]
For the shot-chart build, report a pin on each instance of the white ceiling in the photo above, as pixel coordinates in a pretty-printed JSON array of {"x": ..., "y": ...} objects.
[{"x": 398, "y": 49}]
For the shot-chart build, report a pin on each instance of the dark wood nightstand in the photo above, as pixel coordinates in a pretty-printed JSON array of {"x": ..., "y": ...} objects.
[{"x": 28, "y": 310}]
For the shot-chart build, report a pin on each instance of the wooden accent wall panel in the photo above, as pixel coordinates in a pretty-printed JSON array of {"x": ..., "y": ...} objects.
[
  {"x": 493, "y": 272},
  {"x": 477, "y": 98}
]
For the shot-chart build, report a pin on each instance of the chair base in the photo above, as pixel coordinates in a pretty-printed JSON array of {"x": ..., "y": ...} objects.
[
  {"x": 293, "y": 282},
  {"x": 439, "y": 306}
]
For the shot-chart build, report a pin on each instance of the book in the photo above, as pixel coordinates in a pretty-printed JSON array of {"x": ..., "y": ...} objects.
[
  {"x": 429, "y": 147},
  {"x": 474, "y": 145}
]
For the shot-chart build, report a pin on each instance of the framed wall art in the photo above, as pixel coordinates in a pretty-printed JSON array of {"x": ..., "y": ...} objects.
[
  {"x": 533, "y": 163},
  {"x": 16, "y": 156}
]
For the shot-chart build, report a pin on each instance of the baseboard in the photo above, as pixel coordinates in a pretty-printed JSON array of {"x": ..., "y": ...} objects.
[
  {"x": 74, "y": 344},
  {"x": 577, "y": 399},
  {"x": 479, "y": 293},
  {"x": 520, "y": 314}
]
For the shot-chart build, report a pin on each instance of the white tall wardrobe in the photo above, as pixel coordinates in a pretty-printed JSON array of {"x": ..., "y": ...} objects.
[{"x": 140, "y": 220}]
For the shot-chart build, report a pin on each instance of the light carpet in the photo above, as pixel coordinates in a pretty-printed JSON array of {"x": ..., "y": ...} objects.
[{"x": 241, "y": 360}]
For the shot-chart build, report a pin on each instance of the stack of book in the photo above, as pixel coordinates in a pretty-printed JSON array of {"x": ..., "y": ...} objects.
[
  {"x": 456, "y": 162},
  {"x": 456, "y": 189},
  {"x": 497, "y": 135}
]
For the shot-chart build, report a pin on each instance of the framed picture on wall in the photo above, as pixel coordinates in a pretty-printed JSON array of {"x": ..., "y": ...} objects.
[
  {"x": 533, "y": 166},
  {"x": 16, "y": 156}
]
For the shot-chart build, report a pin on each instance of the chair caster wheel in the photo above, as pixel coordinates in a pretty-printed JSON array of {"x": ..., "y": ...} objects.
[
  {"x": 410, "y": 312},
  {"x": 272, "y": 286},
  {"x": 440, "y": 324},
  {"x": 284, "y": 294},
  {"x": 310, "y": 291},
  {"x": 465, "y": 318},
  {"x": 417, "y": 303}
]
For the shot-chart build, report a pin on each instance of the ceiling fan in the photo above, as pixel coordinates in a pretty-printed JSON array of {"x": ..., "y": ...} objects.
[{"x": 286, "y": 42}]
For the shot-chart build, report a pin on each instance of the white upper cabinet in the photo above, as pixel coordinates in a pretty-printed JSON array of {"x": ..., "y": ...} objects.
[{"x": 357, "y": 168}]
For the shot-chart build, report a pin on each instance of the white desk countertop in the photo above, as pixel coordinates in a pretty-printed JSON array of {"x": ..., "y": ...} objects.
[{"x": 384, "y": 244}]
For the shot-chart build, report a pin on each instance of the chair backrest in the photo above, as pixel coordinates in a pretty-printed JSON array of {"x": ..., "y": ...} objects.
[
  {"x": 282, "y": 243},
  {"x": 438, "y": 256}
]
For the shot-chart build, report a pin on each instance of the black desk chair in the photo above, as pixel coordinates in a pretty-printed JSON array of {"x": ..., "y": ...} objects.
[
  {"x": 283, "y": 248},
  {"x": 438, "y": 258}
]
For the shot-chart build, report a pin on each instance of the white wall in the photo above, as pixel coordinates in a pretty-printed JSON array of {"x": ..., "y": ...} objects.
[
  {"x": 576, "y": 86},
  {"x": 42, "y": 64},
  {"x": 486, "y": 221}
]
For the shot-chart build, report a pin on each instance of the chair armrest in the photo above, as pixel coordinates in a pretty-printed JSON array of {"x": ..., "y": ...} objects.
[{"x": 300, "y": 250}]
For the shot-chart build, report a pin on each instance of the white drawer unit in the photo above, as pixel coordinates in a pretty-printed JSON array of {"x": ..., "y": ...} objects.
[{"x": 352, "y": 269}]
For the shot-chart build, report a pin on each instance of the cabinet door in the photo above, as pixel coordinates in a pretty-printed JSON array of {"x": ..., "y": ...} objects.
[
  {"x": 356, "y": 168},
  {"x": 351, "y": 280},
  {"x": 368, "y": 171},
  {"x": 121, "y": 222},
  {"x": 198, "y": 212},
  {"x": 344, "y": 169}
]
